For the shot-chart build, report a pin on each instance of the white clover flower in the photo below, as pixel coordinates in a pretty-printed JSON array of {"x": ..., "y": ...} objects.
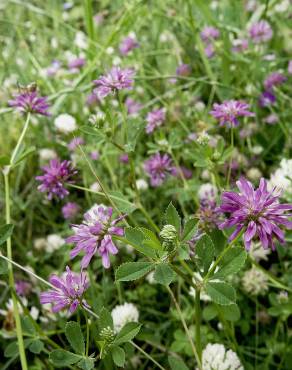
[
  {"x": 255, "y": 282},
  {"x": 203, "y": 138},
  {"x": 123, "y": 314},
  {"x": 254, "y": 174},
  {"x": 282, "y": 6},
  {"x": 216, "y": 357},
  {"x": 95, "y": 187},
  {"x": 150, "y": 278},
  {"x": 258, "y": 253},
  {"x": 80, "y": 40},
  {"x": 199, "y": 106},
  {"x": 40, "y": 243},
  {"x": 47, "y": 154},
  {"x": 207, "y": 191},
  {"x": 257, "y": 149},
  {"x": 282, "y": 177},
  {"x": 141, "y": 184},
  {"x": 54, "y": 242},
  {"x": 65, "y": 123}
]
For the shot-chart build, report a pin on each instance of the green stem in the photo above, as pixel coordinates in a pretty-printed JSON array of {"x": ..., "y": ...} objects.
[
  {"x": 87, "y": 333},
  {"x": 185, "y": 327},
  {"x": 147, "y": 355},
  {"x": 230, "y": 162},
  {"x": 198, "y": 316},
  {"x": 11, "y": 279},
  {"x": 21, "y": 137}
]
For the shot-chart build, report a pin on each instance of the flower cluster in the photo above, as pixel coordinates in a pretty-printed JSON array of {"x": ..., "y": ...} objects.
[
  {"x": 68, "y": 292},
  {"x": 229, "y": 111},
  {"x": 256, "y": 212},
  {"x": 94, "y": 235},
  {"x": 56, "y": 175},
  {"x": 158, "y": 167},
  {"x": 30, "y": 102},
  {"x": 155, "y": 119}
]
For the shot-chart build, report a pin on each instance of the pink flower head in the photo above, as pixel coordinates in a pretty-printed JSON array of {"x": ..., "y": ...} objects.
[
  {"x": 117, "y": 79},
  {"x": 181, "y": 171},
  {"x": 229, "y": 111},
  {"x": 94, "y": 235},
  {"x": 133, "y": 107},
  {"x": 209, "y": 51},
  {"x": 70, "y": 210},
  {"x": 124, "y": 158},
  {"x": 158, "y": 166},
  {"x": 239, "y": 45},
  {"x": 30, "y": 102},
  {"x": 68, "y": 292},
  {"x": 290, "y": 67},
  {"x": 183, "y": 70},
  {"x": 209, "y": 34},
  {"x": 267, "y": 98},
  {"x": 75, "y": 142},
  {"x": 260, "y": 32},
  {"x": 55, "y": 177},
  {"x": 274, "y": 79},
  {"x": 127, "y": 45},
  {"x": 23, "y": 287},
  {"x": 76, "y": 63},
  {"x": 257, "y": 212},
  {"x": 155, "y": 119}
]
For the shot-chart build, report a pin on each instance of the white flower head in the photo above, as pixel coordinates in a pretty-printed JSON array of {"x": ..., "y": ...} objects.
[
  {"x": 123, "y": 314},
  {"x": 258, "y": 253},
  {"x": 141, "y": 184},
  {"x": 47, "y": 154},
  {"x": 255, "y": 282},
  {"x": 207, "y": 191},
  {"x": 80, "y": 40},
  {"x": 254, "y": 174},
  {"x": 282, "y": 177},
  {"x": 65, "y": 123},
  {"x": 216, "y": 357},
  {"x": 54, "y": 242}
]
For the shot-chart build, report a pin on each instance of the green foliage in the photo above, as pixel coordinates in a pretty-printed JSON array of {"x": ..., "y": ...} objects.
[
  {"x": 231, "y": 263},
  {"x": 171, "y": 217},
  {"x": 221, "y": 293},
  {"x": 133, "y": 270},
  {"x": 164, "y": 274},
  {"x": 75, "y": 337},
  {"x": 204, "y": 253},
  {"x": 118, "y": 355},
  {"x": 5, "y": 232},
  {"x": 127, "y": 333}
]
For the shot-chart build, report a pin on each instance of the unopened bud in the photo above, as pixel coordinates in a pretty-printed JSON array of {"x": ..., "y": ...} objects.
[
  {"x": 107, "y": 334},
  {"x": 168, "y": 233}
]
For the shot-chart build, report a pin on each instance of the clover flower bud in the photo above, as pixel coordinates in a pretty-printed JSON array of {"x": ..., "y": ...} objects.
[
  {"x": 168, "y": 233},
  {"x": 107, "y": 334}
]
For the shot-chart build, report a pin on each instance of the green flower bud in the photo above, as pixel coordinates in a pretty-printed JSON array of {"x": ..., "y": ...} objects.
[
  {"x": 107, "y": 334},
  {"x": 168, "y": 233}
]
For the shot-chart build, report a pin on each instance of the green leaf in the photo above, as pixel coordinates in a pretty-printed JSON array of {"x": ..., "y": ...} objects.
[
  {"x": 210, "y": 312},
  {"x": 127, "y": 333},
  {"x": 75, "y": 337},
  {"x": 105, "y": 319},
  {"x": 92, "y": 131},
  {"x": 231, "y": 263},
  {"x": 4, "y": 160},
  {"x": 231, "y": 312},
  {"x": 23, "y": 155},
  {"x": 221, "y": 293},
  {"x": 5, "y": 232},
  {"x": 177, "y": 363},
  {"x": 86, "y": 363},
  {"x": 27, "y": 325},
  {"x": 12, "y": 349},
  {"x": 189, "y": 230},
  {"x": 172, "y": 217},
  {"x": 3, "y": 267},
  {"x": 204, "y": 253},
  {"x": 60, "y": 358},
  {"x": 121, "y": 202},
  {"x": 164, "y": 274},
  {"x": 118, "y": 355},
  {"x": 136, "y": 238},
  {"x": 134, "y": 130},
  {"x": 133, "y": 270},
  {"x": 36, "y": 346},
  {"x": 151, "y": 239}
]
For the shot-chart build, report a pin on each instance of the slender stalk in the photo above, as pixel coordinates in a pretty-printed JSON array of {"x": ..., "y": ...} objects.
[
  {"x": 21, "y": 137},
  {"x": 185, "y": 327},
  {"x": 147, "y": 355},
  {"x": 198, "y": 316},
  {"x": 87, "y": 333},
  {"x": 20, "y": 342},
  {"x": 230, "y": 162}
]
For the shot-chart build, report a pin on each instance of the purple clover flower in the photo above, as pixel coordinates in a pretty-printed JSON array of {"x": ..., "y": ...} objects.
[
  {"x": 69, "y": 291},
  {"x": 30, "y": 102},
  {"x": 267, "y": 98},
  {"x": 124, "y": 158},
  {"x": 260, "y": 32},
  {"x": 76, "y": 63},
  {"x": 181, "y": 171},
  {"x": 239, "y": 45},
  {"x": 94, "y": 235},
  {"x": 55, "y": 176},
  {"x": 209, "y": 34},
  {"x": 23, "y": 288},
  {"x": 75, "y": 142},
  {"x": 127, "y": 45},
  {"x": 155, "y": 119},
  {"x": 183, "y": 70},
  {"x": 274, "y": 79},
  {"x": 158, "y": 166},
  {"x": 117, "y": 79},
  {"x": 257, "y": 212},
  {"x": 133, "y": 107},
  {"x": 229, "y": 110},
  {"x": 70, "y": 210}
]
